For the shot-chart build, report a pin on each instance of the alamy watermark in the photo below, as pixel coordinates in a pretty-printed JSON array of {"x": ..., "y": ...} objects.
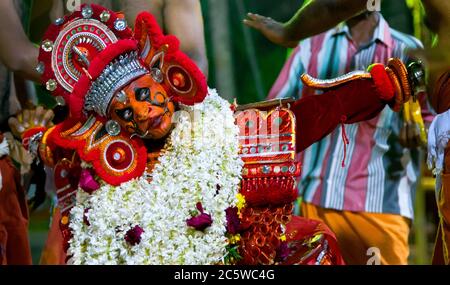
[
  {"x": 374, "y": 5},
  {"x": 260, "y": 129},
  {"x": 73, "y": 5},
  {"x": 374, "y": 254}
]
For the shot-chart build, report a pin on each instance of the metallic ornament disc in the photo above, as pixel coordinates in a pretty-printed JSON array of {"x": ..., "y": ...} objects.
[
  {"x": 60, "y": 101},
  {"x": 112, "y": 127},
  {"x": 51, "y": 85},
  {"x": 40, "y": 68},
  {"x": 87, "y": 12},
  {"x": 87, "y": 33},
  {"x": 104, "y": 16},
  {"x": 59, "y": 21},
  {"x": 157, "y": 75},
  {"x": 120, "y": 24},
  {"x": 266, "y": 169},
  {"x": 121, "y": 97},
  {"x": 47, "y": 45},
  {"x": 292, "y": 169}
]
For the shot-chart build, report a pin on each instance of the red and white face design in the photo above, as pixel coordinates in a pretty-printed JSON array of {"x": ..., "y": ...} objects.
[{"x": 143, "y": 108}]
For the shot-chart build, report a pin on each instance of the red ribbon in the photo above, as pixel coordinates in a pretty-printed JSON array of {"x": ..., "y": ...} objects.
[{"x": 344, "y": 138}]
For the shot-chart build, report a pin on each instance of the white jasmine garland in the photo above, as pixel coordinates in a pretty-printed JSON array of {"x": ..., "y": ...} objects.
[{"x": 200, "y": 163}]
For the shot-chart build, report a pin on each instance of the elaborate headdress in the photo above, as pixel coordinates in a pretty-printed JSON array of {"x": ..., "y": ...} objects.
[{"x": 87, "y": 56}]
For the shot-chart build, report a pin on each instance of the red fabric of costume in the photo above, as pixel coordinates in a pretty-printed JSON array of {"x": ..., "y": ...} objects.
[
  {"x": 298, "y": 230},
  {"x": 14, "y": 244},
  {"x": 317, "y": 116}
]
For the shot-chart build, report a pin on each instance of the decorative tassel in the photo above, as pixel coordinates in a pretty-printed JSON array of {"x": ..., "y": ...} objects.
[{"x": 344, "y": 139}]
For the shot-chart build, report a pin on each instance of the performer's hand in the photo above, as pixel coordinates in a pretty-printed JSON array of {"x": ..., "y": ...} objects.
[
  {"x": 436, "y": 59},
  {"x": 28, "y": 119},
  {"x": 271, "y": 29},
  {"x": 410, "y": 135}
]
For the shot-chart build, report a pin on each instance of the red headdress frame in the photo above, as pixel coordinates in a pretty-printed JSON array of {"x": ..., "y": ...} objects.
[
  {"x": 183, "y": 80},
  {"x": 72, "y": 83},
  {"x": 98, "y": 43},
  {"x": 65, "y": 77}
]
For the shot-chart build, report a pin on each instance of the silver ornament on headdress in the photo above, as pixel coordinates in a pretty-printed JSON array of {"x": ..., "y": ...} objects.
[
  {"x": 59, "y": 21},
  {"x": 112, "y": 127},
  {"x": 87, "y": 12},
  {"x": 40, "y": 68},
  {"x": 120, "y": 24},
  {"x": 157, "y": 75},
  {"x": 104, "y": 16},
  {"x": 114, "y": 77},
  {"x": 121, "y": 97}
]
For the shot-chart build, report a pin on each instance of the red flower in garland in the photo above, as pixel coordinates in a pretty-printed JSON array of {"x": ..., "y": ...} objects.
[
  {"x": 201, "y": 221},
  {"x": 88, "y": 182},
  {"x": 283, "y": 251},
  {"x": 233, "y": 221},
  {"x": 133, "y": 236}
]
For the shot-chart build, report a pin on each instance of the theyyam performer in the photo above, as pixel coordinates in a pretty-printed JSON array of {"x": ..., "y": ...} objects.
[{"x": 153, "y": 167}]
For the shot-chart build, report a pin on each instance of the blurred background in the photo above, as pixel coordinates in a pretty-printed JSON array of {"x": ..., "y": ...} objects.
[{"x": 243, "y": 66}]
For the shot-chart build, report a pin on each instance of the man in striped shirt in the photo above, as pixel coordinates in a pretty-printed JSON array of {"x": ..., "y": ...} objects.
[{"x": 369, "y": 202}]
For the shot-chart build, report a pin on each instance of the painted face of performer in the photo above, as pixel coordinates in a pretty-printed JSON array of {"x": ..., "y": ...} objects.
[{"x": 143, "y": 108}]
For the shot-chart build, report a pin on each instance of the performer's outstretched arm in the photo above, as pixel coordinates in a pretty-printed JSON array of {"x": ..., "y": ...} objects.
[
  {"x": 314, "y": 18},
  {"x": 347, "y": 103},
  {"x": 17, "y": 53}
]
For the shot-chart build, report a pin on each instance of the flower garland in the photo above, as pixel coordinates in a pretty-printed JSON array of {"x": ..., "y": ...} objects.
[{"x": 141, "y": 222}]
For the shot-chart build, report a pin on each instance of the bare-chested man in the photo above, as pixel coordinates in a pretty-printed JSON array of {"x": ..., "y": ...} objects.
[
  {"x": 182, "y": 19},
  {"x": 316, "y": 17}
]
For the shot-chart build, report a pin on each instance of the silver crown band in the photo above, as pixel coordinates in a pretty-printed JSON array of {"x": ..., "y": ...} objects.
[{"x": 116, "y": 75}]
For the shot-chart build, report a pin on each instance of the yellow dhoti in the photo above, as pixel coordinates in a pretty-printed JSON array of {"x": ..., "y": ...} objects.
[{"x": 365, "y": 238}]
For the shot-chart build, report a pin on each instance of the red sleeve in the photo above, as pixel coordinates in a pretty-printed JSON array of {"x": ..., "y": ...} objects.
[
  {"x": 319, "y": 115},
  {"x": 26, "y": 136}
]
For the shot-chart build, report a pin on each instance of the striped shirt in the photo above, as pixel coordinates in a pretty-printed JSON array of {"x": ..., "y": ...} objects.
[{"x": 379, "y": 175}]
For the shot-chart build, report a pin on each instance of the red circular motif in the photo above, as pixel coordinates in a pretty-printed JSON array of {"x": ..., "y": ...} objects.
[
  {"x": 91, "y": 36},
  {"x": 179, "y": 79},
  {"x": 119, "y": 156}
]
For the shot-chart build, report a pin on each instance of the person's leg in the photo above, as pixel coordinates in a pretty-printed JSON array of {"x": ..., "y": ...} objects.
[
  {"x": 18, "y": 250},
  {"x": 441, "y": 248},
  {"x": 363, "y": 235},
  {"x": 53, "y": 253},
  {"x": 13, "y": 216},
  {"x": 438, "y": 252},
  {"x": 352, "y": 247},
  {"x": 444, "y": 213}
]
